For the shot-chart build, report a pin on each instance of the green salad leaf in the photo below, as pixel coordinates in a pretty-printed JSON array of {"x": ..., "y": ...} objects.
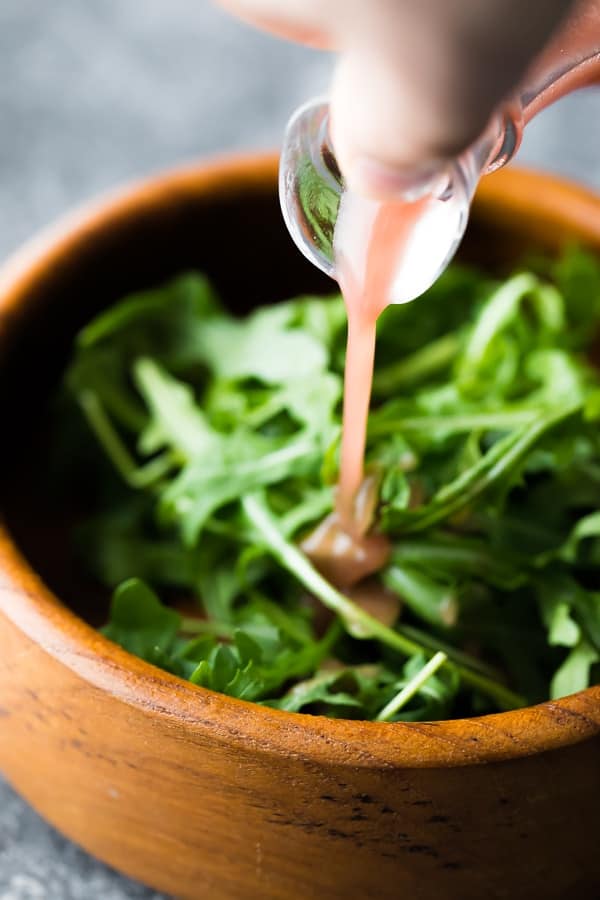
[{"x": 212, "y": 446}]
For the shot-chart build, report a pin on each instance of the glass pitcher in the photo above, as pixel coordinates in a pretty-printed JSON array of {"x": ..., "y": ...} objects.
[{"x": 316, "y": 203}]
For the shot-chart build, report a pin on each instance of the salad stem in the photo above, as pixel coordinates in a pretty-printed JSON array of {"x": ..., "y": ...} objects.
[
  {"x": 467, "y": 422},
  {"x": 135, "y": 476},
  {"x": 421, "y": 364},
  {"x": 409, "y": 690}
]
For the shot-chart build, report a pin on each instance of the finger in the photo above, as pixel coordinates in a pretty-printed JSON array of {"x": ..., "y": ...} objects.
[
  {"x": 417, "y": 83},
  {"x": 302, "y": 23}
]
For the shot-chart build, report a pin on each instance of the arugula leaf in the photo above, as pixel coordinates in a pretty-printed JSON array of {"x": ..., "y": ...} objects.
[
  {"x": 498, "y": 312},
  {"x": 574, "y": 673},
  {"x": 238, "y": 350},
  {"x": 431, "y": 601},
  {"x": 176, "y": 421},
  {"x": 496, "y": 465},
  {"x": 246, "y": 462},
  {"x": 226, "y": 672},
  {"x": 563, "y": 630},
  {"x": 325, "y": 688},
  {"x": 587, "y": 527},
  {"x": 140, "y": 623},
  {"x": 163, "y": 323}
]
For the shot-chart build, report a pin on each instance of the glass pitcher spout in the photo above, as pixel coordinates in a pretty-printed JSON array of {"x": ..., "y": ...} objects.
[{"x": 313, "y": 193}]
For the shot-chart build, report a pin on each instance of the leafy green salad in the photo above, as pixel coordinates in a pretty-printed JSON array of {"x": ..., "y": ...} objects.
[{"x": 212, "y": 445}]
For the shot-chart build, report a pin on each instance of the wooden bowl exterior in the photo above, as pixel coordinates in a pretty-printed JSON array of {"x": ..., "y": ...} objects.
[{"x": 200, "y": 795}]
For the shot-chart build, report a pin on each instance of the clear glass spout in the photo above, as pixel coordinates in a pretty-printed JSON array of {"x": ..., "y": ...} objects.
[
  {"x": 312, "y": 193},
  {"x": 312, "y": 190}
]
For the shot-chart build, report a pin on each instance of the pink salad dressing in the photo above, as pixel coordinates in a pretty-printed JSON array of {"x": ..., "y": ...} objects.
[
  {"x": 366, "y": 286},
  {"x": 343, "y": 547}
]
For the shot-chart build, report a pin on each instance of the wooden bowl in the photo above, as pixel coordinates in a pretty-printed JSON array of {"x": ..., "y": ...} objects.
[{"x": 200, "y": 795}]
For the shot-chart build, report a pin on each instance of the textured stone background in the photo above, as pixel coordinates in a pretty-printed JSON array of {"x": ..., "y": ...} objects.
[{"x": 94, "y": 93}]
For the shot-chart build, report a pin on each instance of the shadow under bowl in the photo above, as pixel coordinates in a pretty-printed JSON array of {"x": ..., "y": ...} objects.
[{"x": 198, "y": 794}]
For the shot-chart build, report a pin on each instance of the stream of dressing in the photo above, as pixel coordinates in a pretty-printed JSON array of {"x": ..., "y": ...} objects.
[
  {"x": 369, "y": 251},
  {"x": 366, "y": 280}
]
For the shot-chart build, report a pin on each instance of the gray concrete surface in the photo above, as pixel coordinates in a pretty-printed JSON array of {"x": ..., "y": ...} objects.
[{"x": 94, "y": 93}]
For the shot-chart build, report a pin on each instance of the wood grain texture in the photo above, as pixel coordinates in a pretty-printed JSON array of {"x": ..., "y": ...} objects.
[{"x": 201, "y": 795}]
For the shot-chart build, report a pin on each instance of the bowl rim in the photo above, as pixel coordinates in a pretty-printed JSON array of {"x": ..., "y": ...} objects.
[{"x": 34, "y": 610}]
